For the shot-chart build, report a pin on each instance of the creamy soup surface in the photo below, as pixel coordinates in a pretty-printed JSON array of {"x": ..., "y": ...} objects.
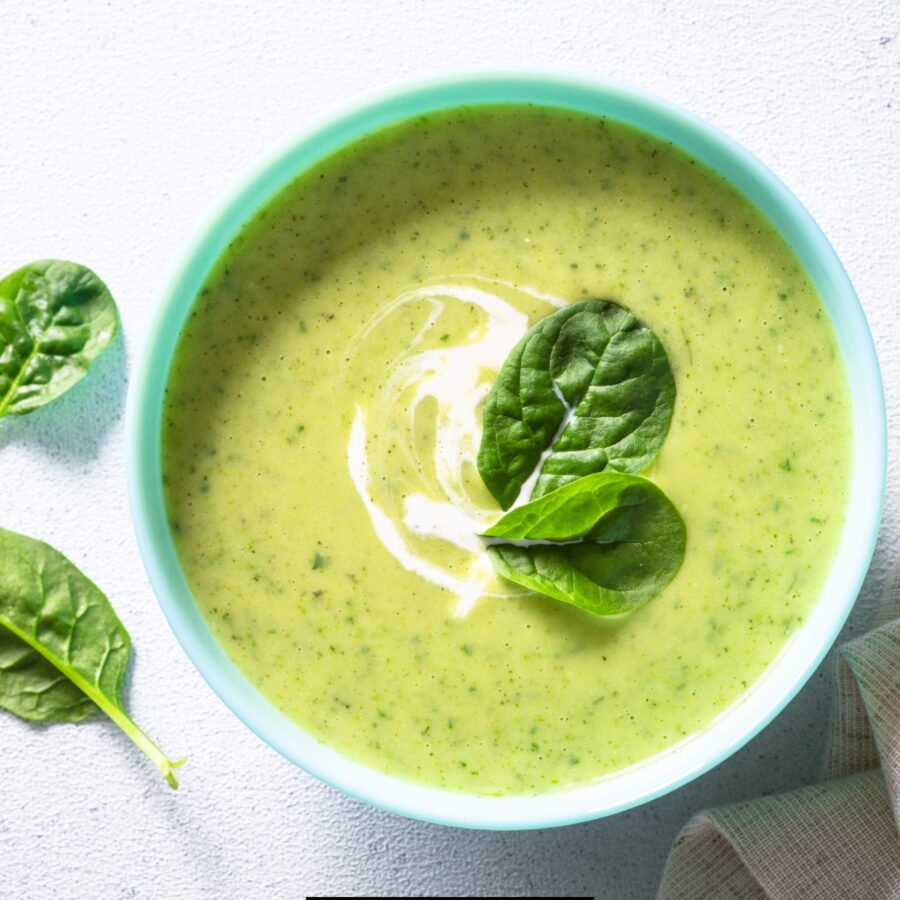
[{"x": 323, "y": 416}]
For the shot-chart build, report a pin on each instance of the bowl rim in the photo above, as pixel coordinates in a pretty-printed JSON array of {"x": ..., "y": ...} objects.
[{"x": 649, "y": 779}]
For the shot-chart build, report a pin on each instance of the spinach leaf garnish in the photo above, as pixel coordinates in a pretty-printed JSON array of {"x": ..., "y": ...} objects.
[
  {"x": 611, "y": 542},
  {"x": 592, "y": 359},
  {"x": 587, "y": 395},
  {"x": 63, "y": 650},
  {"x": 55, "y": 319}
]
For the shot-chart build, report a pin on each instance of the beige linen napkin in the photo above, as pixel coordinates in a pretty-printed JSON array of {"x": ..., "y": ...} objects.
[{"x": 837, "y": 839}]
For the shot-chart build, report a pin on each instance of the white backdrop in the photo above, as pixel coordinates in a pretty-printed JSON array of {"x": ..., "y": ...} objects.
[{"x": 121, "y": 125}]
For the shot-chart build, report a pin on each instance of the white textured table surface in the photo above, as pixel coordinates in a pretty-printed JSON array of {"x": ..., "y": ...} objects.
[{"x": 122, "y": 125}]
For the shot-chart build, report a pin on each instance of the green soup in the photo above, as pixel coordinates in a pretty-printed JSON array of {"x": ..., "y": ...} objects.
[{"x": 323, "y": 415}]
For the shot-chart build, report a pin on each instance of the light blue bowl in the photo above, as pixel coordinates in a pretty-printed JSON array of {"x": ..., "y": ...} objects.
[{"x": 784, "y": 677}]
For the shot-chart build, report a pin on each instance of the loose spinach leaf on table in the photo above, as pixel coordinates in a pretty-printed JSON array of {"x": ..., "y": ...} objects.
[
  {"x": 597, "y": 360},
  {"x": 613, "y": 541},
  {"x": 56, "y": 317},
  {"x": 63, "y": 650}
]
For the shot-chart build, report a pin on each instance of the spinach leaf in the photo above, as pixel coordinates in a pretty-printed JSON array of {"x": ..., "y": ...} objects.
[
  {"x": 625, "y": 542},
  {"x": 55, "y": 319},
  {"x": 63, "y": 650},
  {"x": 34, "y": 689},
  {"x": 592, "y": 360}
]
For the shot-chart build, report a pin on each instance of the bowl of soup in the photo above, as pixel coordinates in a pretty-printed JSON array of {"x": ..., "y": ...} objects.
[{"x": 304, "y": 433}]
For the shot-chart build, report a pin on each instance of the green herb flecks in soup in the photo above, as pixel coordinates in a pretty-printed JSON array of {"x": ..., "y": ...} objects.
[{"x": 324, "y": 416}]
